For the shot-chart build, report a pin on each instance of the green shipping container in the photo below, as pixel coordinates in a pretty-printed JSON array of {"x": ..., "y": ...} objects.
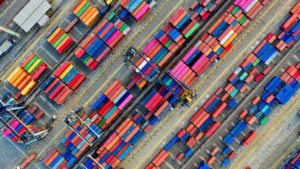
[
  {"x": 234, "y": 93},
  {"x": 256, "y": 62},
  {"x": 161, "y": 57},
  {"x": 192, "y": 30},
  {"x": 264, "y": 120},
  {"x": 35, "y": 58},
  {"x": 235, "y": 10},
  {"x": 86, "y": 59},
  {"x": 60, "y": 40},
  {"x": 244, "y": 75},
  {"x": 34, "y": 69},
  {"x": 265, "y": 108},
  {"x": 243, "y": 19},
  {"x": 122, "y": 29},
  {"x": 169, "y": 43},
  {"x": 111, "y": 16},
  {"x": 169, "y": 82},
  {"x": 101, "y": 122},
  {"x": 84, "y": 8}
]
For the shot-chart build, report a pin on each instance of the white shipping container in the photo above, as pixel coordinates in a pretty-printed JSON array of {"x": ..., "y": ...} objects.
[{"x": 5, "y": 46}]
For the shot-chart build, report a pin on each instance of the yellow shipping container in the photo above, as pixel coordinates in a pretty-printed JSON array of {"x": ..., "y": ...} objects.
[
  {"x": 207, "y": 52},
  {"x": 67, "y": 70},
  {"x": 108, "y": 2},
  {"x": 20, "y": 79},
  {"x": 86, "y": 13},
  {"x": 93, "y": 18},
  {"x": 63, "y": 42},
  {"x": 232, "y": 37},
  {"x": 24, "y": 82},
  {"x": 142, "y": 84},
  {"x": 28, "y": 88},
  {"x": 51, "y": 37},
  {"x": 216, "y": 48},
  {"x": 14, "y": 75},
  {"x": 37, "y": 62}
]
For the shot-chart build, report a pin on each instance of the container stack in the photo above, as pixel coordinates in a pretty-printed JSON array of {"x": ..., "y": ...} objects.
[
  {"x": 290, "y": 29},
  {"x": 251, "y": 8},
  {"x": 92, "y": 51},
  {"x": 54, "y": 159},
  {"x": 172, "y": 85},
  {"x": 204, "y": 122},
  {"x": 86, "y": 12},
  {"x": 26, "y": 76},
  {"x": 158, "y": 160},
  {"x": 60, "y": 40},
  {"x": 70, "y": 75},
  {"x": 66, "y": 79},
  {"x": 74, "y": 144},
  {"x": 110, "y": 105},
  {"x": 217, "y": 42},
  {"x": 138, "y": 81},
  {"x": 182, "y": 73},
  {"x": 111, "y": 30},
  {"x": 56, "y": 90},
  {"x": 137, "y": 8},
  {"x": 294, "y": 161},
  {"x": 203, "y": 9},
  {"x": 17, "y": 126},
  {"x": 156, "y": 105},
  {"x": 184, "y": 24},
  {"x": 116, "y": 147},
  {"x": 167, "y": 42}
]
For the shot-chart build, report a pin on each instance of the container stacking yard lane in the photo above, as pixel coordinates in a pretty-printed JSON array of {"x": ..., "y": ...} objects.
[
  {"x": 26, "y": 77},
  {"x": 251, "y": 70}
]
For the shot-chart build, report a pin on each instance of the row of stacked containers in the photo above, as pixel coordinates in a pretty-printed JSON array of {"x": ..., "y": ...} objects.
[
  {"x": 97, "y": 45},
  {"x": 137, "y": 8},
  {"x": 163, "y": 47},
  {"x": 279, "y": 90},
  {"x": 114, "y": 148},
  {"x": 66, "y": 79},
  {"x": 204, "y": 8},
  {"x": 75, "y": 144},
  {"x": 86, "y": 12},
  {"x": 294, "y": 161},
  {"x": 28, "y": 74},
  {"x": 107, "y": 159},
  {"x": 28, "y": 116},
  {"x": 156, "y": 105},
  {"x": 60, "y": 40}
]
